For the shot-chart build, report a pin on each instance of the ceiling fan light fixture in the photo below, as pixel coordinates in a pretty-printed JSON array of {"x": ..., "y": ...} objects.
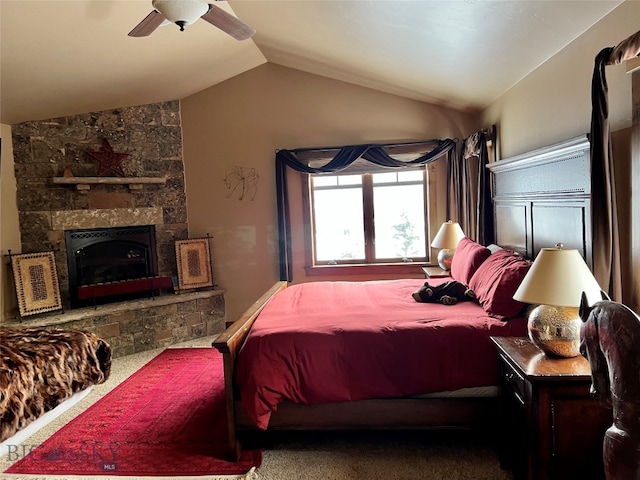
[
  {"x": 181, "y": 12},
  {"x": 186, "y": 12}
]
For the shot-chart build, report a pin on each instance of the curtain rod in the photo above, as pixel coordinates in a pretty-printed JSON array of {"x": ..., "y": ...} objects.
[
  {"x": 389, "y": 145},
  {"x": 489, "y": 132}
]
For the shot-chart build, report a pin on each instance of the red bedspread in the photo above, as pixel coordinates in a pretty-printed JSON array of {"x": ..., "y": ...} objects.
[{"x": 341, "y": 341}]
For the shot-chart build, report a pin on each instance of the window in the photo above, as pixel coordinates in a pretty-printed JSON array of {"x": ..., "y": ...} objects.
[{"x": 368, "y": 218}]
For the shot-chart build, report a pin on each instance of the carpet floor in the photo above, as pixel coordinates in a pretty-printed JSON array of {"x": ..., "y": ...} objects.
[
  {"x": 167, "y": 419},
  {"x": 325, "y": 455}
]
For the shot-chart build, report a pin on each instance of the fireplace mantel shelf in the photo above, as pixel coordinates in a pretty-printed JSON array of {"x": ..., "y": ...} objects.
[{"x": 84, "y": 183}]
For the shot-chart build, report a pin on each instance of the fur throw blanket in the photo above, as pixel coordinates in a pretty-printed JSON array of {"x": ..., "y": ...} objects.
[{"x": 41, "y": 368}]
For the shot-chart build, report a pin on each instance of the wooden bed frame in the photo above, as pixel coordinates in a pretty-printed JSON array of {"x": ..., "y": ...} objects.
[
  {"x": 530, "y": 215},
  {"x": 397, "y": 413}
]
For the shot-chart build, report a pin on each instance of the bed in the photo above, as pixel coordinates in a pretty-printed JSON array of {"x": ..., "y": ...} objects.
[
  {"x": 353, "y": 355},
  {"x": 43, "y": 367},
  {"x": 534, "y": 208}
]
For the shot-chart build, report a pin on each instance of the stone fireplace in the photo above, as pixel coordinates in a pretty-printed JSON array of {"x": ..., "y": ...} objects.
[{"x": 60, "y": 193}]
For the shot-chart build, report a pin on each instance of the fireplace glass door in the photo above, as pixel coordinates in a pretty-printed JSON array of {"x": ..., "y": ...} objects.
[
  {"x": 113, "y": 261},
  {"x": 109, "y": 260}
]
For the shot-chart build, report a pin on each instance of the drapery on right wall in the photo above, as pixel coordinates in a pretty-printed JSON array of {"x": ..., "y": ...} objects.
[
  {"x": 469, "y": 188},
  {"x": 606, "y": 244}
]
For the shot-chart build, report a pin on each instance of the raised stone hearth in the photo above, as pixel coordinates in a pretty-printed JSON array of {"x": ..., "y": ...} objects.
[{"x": 139, "y": 325}]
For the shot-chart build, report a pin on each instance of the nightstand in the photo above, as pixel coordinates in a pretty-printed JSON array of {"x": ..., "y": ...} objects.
[
  {"x": 435, "y": 272},
  {"x": 550, "y": 426}
]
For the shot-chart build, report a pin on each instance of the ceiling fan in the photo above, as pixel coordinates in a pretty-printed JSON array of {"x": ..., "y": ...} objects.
[{"x": 185, "y": 12}]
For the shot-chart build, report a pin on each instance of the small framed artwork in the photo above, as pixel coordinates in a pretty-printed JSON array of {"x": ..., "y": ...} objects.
[
  {"x": 36, "y": 282},
  {"x": 194, "y": 263}
]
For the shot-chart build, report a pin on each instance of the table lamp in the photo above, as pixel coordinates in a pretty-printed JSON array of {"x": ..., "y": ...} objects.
[
  {"x": 447, "y": 240},
  {"x": 556, "y": 281}
]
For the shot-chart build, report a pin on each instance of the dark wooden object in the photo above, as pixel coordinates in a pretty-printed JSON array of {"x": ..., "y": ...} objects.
[
  {"x": 610, "y": 339},
  {"x": 228, "y": 344},
  {"x": 543, "y": 197},
  {"x": 551, "y": 427},
  {"x": 435, "y": 272},
  {"x": 427, "y": 413}
]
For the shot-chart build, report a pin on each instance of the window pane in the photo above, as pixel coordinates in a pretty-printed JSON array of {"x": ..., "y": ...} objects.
[
  {"x": 411, "y": 176},
  {"x": 399, "y": 221},
  {"x": 391, "y": 177},
  {"x": 400, "y": 176},
  {"x": 324, "y": 180},
  {"x": 333, "y": 180},
  {"x": 350, "y": 179},
  {"x": 339, "y": 227}
]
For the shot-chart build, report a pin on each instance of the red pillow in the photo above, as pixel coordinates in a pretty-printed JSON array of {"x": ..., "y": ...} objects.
[
  {"x": 467, "y": 258},
  {"x": 496, "y": 280}
]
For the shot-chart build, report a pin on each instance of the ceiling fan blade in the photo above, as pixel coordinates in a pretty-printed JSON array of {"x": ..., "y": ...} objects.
[
  {"x": 228, "y": 23},
  {"x": 148, "y": 25}
]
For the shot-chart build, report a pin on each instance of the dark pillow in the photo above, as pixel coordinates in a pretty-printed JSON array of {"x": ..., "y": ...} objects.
[
  {"x": 467, "y": 258},
  {"x": 496, "y": 280}
]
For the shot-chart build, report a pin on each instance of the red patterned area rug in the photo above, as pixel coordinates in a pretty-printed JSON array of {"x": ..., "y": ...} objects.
[{"x": 165, "y": 420}]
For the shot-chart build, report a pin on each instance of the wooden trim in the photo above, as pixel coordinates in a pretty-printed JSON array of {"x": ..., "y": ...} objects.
[
  {"x": 392, "y": 413},
  {"x": 369, "y": 233},
  {"x": 543, "y": 197},
  {"x": 408, "y": 268},
  {"x": 229, "y": 343},
  {"x": 107, "y": 180},
  {"x": 633, "y": 65},
  {"x": 553, "y": 153},
  {"x": 83, "y": 184},
  {"x": 368, "y": 213},
  {"x": 308, "y": 219}
]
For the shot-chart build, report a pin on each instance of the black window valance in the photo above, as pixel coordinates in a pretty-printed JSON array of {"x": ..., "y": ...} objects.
[{"x": 345, "y": 156}]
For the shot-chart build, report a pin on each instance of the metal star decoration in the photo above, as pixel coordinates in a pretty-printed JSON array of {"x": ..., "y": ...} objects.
[{"x": 110, "y": 161}]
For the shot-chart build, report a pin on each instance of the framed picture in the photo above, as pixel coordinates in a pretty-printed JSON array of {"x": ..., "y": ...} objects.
[
  {"x": 194, "y": 263},
  {"x": 36, "y": 281}
]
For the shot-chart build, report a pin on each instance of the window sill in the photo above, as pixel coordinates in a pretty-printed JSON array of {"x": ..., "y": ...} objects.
[{"x": 411, "y": 268}]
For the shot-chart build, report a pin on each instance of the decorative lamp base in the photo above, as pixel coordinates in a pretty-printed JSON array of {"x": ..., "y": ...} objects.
[
  {"x": 555, "y": 330},
  {"x": 445, "y": 256}
]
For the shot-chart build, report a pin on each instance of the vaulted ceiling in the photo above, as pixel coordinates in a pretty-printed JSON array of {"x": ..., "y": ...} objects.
[{"x": 67, "y": 57}]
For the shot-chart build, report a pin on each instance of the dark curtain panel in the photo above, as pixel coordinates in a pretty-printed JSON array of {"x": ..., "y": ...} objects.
[
  {"x": 606, "y": 245},
  {"x": 345, "y": 157},
  {"x": 469, "y": 190}
]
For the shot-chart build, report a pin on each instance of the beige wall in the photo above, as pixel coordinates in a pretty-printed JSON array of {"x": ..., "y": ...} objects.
[
  {"x": 635, "y": 214},
  {"x": 243, "y": 121},
  {"x": 9, "y": 230},
  {"x": 622, "y": 155},
  {"x": 635, "y": 199},
  {"x": 554, "y": 103}
]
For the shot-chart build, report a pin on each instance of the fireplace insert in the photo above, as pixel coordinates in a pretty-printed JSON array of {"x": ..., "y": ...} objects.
[{"x": 112, "y": 264}]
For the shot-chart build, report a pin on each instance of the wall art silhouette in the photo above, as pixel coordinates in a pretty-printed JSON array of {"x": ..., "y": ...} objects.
[{"x": 242, "y": 183}]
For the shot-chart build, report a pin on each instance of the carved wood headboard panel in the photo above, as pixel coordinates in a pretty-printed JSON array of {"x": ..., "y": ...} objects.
[{"x": 543, "y": 197}]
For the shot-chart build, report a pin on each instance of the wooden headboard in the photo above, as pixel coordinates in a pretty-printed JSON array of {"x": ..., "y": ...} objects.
[{"x": 543, "y": 197}]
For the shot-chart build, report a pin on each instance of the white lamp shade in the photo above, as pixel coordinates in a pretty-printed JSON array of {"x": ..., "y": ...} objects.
[
  {"x": 187, "y": 11},
  {"x": 448, "y": 236},
  {"x": 558, "y": 277}
]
